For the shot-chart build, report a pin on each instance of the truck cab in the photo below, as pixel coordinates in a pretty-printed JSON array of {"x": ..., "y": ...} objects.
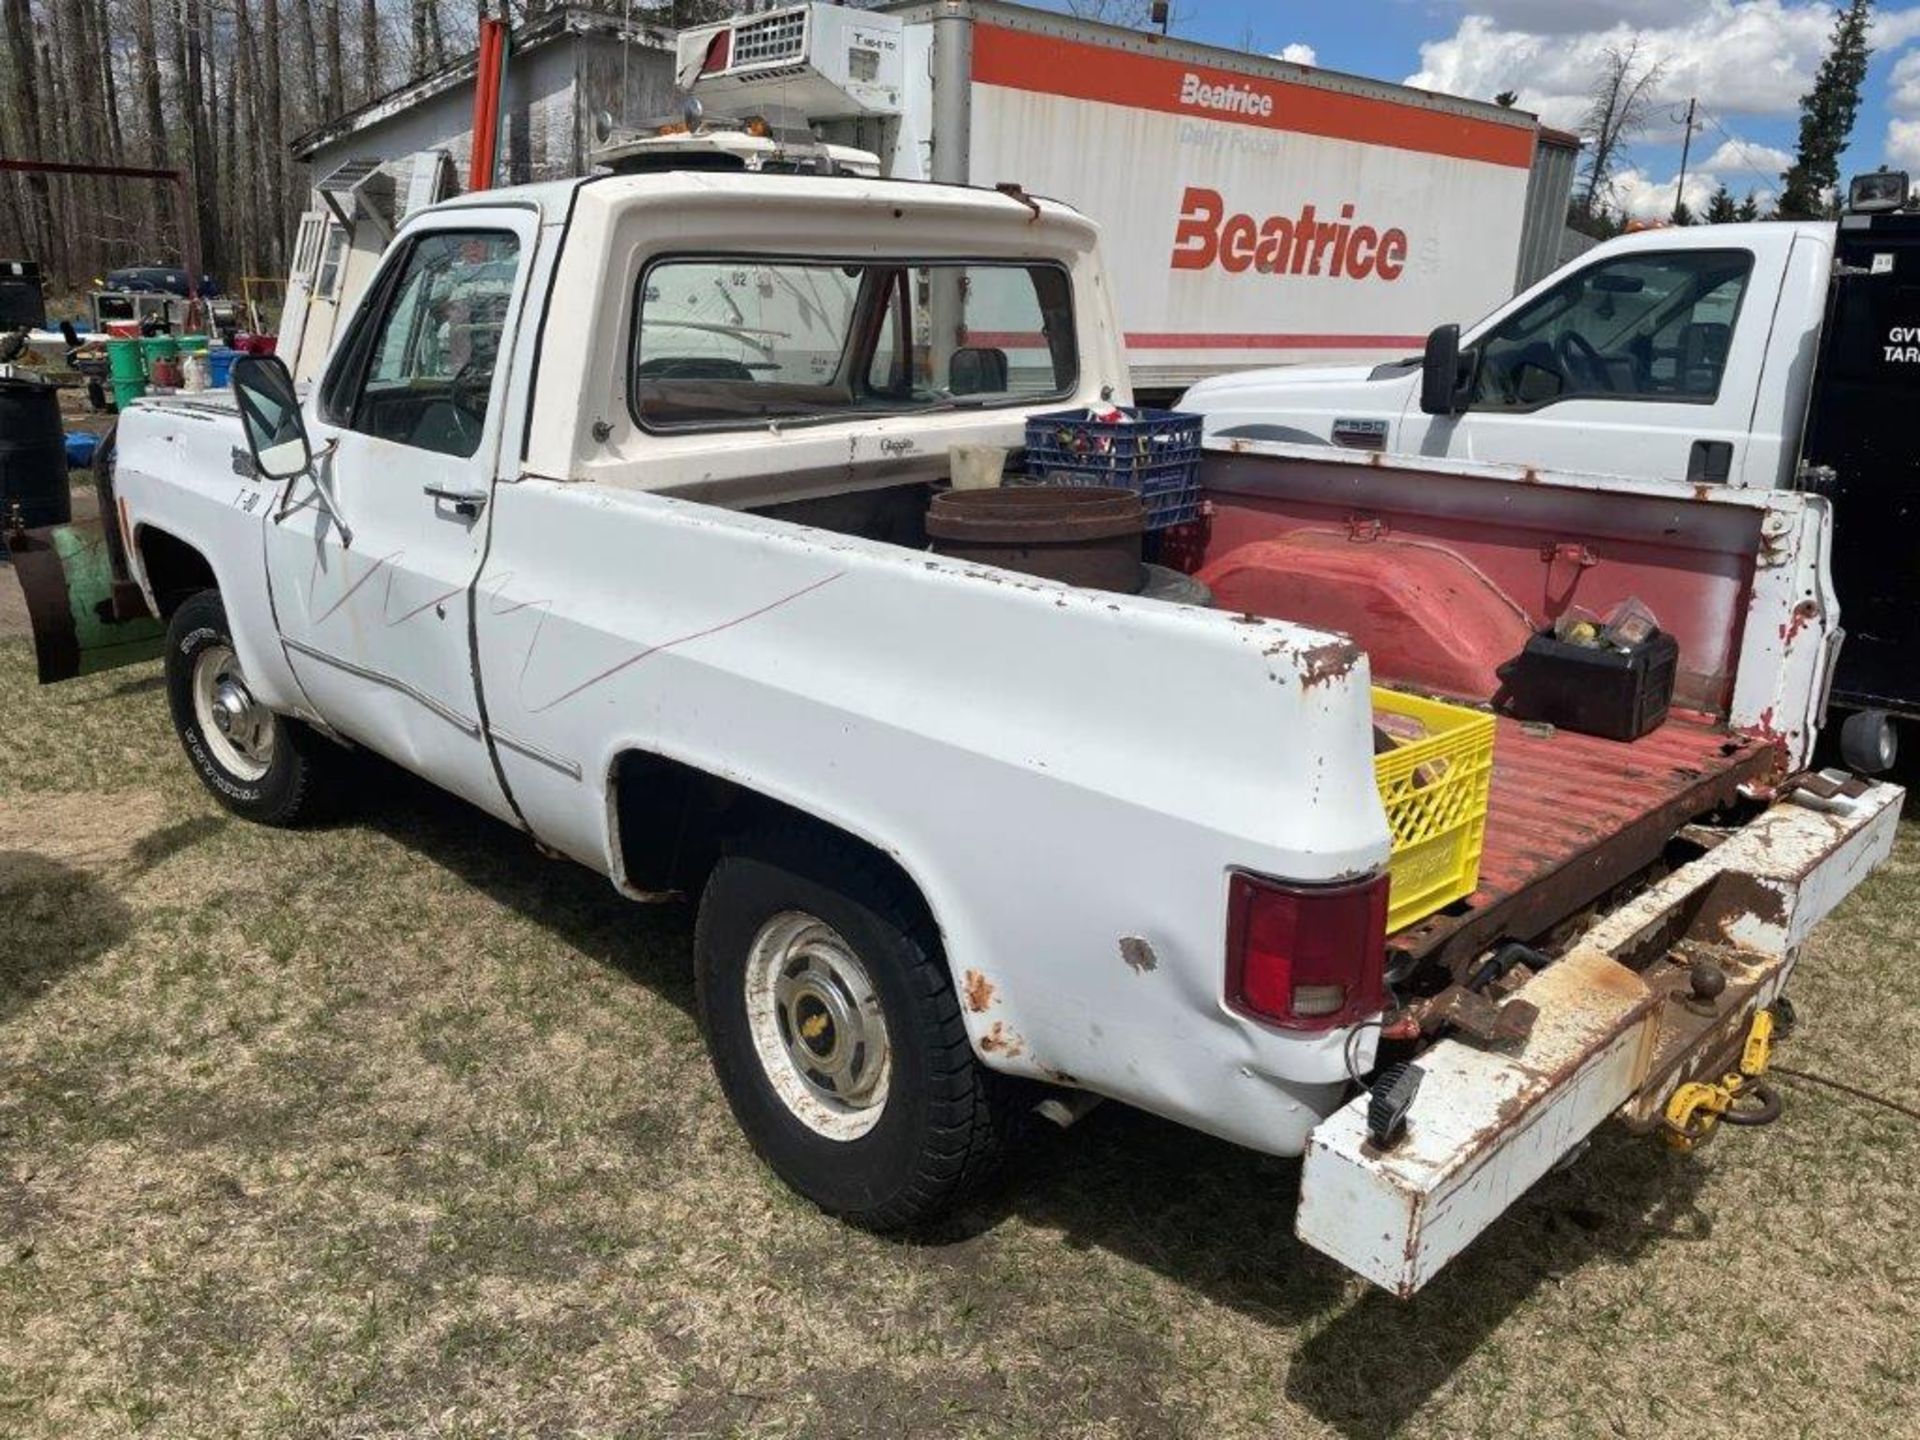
[{"x": 1677, "y": 352}]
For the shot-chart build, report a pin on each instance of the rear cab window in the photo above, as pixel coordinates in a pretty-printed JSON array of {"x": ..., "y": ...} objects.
[{"x": 742, "y": 341}]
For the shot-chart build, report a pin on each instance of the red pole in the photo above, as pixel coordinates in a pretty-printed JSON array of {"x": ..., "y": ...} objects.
[{"x": 486, "y": 105}]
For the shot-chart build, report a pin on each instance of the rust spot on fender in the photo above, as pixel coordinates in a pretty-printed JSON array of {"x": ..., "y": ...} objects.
[
  {"x": 1323, "y": 664},
  {"x": 1002, "y": 1041},
  {"x": 978, "y": 990}
]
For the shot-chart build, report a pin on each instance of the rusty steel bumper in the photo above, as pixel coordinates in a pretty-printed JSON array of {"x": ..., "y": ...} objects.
[{"x": 1619, "y": 1028}]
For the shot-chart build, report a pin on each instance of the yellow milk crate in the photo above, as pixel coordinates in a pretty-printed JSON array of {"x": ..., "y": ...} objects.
[{"x": 1435, "y": 789}]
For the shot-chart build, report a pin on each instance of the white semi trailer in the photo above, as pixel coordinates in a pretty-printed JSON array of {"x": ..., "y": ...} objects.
[{"x": 1253, "y": 211}]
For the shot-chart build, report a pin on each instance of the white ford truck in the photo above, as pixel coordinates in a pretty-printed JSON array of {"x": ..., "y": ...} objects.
[
  {"x": 1762, "y": 355},
  {"x": 966, "y": 842}
]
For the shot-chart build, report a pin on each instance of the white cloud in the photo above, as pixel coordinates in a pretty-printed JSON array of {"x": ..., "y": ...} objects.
[
  {"x": 1903, "y": 85},
  {"x": 1643, "y": 199},
  {"x": 1640, "y": 197},
  {"x": 1902, "y": 148},
  {"x": 1561, "y": 17},
  {"x": 1891, "y": 29},
  {"x": 1737, "y": 56},
  {"x": 1903, "y": 144},
  {"x": 1297, "y": 54},
  {"x": 1567, "y": 17},
  {"x": 1747, "y": 161}
]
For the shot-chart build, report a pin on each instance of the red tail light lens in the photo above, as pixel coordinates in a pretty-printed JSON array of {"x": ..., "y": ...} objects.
[
  {"x": 1306, "y": 957},
  {"x": 719, "y": 52}
]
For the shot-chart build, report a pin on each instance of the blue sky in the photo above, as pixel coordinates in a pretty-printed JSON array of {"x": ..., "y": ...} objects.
[{"x": 1745, "y": 61}]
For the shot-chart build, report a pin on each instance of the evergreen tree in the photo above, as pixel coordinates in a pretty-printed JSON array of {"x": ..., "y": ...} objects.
[
  {"x": 1721, "y": 209},
  {"x": 1826, "y": 118},
  {"x": 1683, "y": 213},
  {"x": 1749, "y": 208}
]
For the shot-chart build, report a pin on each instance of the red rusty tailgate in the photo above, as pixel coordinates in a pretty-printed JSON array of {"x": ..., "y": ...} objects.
[{"x": 1571, "y": 816}]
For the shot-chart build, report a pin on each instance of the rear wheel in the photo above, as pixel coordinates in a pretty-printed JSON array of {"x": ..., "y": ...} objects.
[
  {"x": 259, "y": 764},
  {"x": 836, "y": 1033}
]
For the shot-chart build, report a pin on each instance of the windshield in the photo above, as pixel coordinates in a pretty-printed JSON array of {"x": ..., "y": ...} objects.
[{"x": 746, "y": 341}]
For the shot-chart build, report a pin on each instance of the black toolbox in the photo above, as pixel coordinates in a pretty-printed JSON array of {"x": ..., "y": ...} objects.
[{"x": 1592, "y": 689}]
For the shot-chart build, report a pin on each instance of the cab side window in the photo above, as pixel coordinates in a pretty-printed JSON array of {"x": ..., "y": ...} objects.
[
  {"x": 418, "y": 369},
  {"x": 1657, "y": 326}
]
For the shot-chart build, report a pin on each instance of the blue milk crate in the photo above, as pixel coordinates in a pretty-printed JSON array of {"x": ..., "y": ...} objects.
[{"x": 1154, "y": 453}]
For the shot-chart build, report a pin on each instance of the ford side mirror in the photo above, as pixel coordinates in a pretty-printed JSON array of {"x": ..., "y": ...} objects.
[
  {"x": 1446, "y": 376},
  {"x": 270, "y": 413}
]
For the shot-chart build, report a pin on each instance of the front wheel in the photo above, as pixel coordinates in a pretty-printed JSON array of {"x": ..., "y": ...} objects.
[
  {"x": 261, "y": 765},
  {"x": 836, "y": 1034}
]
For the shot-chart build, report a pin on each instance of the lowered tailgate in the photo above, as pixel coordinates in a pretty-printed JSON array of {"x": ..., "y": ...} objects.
[{"x": 1619, "y": 1028}]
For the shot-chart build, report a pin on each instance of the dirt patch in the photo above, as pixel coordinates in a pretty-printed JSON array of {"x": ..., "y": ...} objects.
[{"x": 98, "y": 832}]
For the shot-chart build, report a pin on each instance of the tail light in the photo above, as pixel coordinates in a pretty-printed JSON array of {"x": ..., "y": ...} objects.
[
  {"x": 1306, "y": 957},
  {"x": 719, "y": 52}
]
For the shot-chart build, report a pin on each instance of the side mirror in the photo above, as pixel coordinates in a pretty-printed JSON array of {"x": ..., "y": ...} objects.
[
  {"x": 270, "y": 411},
  {"x": 1446, "y": 376}
]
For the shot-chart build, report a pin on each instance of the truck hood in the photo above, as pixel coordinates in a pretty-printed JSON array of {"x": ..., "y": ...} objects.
[
  {"x": 1236, "y": 388},
  {"x": 215, "y": 402}
]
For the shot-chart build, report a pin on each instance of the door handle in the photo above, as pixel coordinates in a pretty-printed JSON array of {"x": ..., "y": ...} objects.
[
  {"x": 1710, "y": 462},
  {"x": 464, "y": 502}
]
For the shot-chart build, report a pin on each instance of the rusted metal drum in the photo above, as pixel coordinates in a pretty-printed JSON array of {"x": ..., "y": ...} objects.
[{"x": 1082, "y": 535}]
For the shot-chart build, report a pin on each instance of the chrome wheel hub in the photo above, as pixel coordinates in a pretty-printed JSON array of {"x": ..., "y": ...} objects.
[
  {"x": 817, "y": 1025},
  {"x": 239, "y": 730}
]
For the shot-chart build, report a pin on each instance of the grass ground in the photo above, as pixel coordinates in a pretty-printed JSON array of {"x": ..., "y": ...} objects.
[{"x": 399, "y": 1129}]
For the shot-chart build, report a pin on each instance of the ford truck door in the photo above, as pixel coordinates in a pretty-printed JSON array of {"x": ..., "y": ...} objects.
[
  {"x": 373, "y": 556},
  {"x": 1644, "y": 362}
]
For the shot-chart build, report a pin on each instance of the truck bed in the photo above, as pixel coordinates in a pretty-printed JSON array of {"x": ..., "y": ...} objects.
[
  {"x": 1441, "y": 573},
  {"x": 1571, "y": 816}
]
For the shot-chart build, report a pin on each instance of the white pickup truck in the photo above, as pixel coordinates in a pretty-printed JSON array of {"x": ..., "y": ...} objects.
[
  {"x": 1761, "y": 355},
  {"x": 967, "y": 842}
]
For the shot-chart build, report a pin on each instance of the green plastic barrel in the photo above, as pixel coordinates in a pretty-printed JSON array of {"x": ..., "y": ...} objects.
[
  {"x": 159, "y": 347},
  {"x": 191, "y": 343},
  {"x": 125, "y": 360},
  {"x": 125, "y": 392}
]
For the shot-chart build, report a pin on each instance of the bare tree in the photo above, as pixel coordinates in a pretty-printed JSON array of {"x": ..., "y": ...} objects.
[
  {"x": 369, "y": 51},
  {"x": 336, "y": 98},
  {"x": 1617, "y": 111},
  {"x": 1132, "y": 14}
]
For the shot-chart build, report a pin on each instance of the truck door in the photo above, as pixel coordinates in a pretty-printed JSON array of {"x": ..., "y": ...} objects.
[
  {"x": 1643, "y": 363},
  {"x": 371, "y": 568}
]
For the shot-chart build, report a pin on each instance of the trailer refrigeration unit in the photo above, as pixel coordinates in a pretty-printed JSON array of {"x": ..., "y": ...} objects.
[{"x": 1254, "y": 212}]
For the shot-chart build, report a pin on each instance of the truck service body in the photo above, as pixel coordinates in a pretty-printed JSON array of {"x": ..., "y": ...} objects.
[
  {"x": 963, "y": 837},
  {"x": 1771, "y": 355},
  {"x": 1220, "y": 178}
]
